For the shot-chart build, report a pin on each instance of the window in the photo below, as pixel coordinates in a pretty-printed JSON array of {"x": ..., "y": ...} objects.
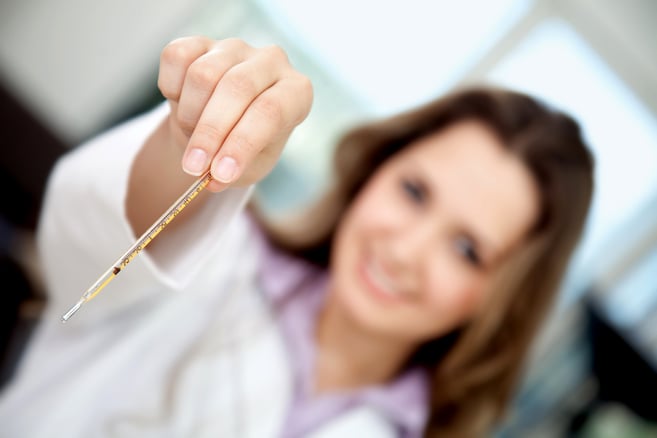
[{"x": 554, "y": 63}]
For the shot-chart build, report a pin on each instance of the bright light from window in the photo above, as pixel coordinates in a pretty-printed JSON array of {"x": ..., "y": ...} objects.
[{"x": 395, "y": 54}]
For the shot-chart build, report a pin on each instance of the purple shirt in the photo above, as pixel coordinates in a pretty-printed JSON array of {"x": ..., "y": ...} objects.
[{"x": 297, "y": 290}]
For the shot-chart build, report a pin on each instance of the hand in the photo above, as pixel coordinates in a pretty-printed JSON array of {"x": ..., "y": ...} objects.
[{"x": 233, "y": 106}]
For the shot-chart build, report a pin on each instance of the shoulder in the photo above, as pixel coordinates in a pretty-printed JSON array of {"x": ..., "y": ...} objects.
[{"x": 279, "y": 271}]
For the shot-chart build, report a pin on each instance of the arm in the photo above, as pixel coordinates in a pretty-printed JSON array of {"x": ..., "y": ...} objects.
[
  {"x": 233, "y": 107},
  {"x": 109, "y": 191}
]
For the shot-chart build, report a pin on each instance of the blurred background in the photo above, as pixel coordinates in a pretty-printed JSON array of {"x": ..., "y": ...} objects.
[{"x": 73, "y": 68}]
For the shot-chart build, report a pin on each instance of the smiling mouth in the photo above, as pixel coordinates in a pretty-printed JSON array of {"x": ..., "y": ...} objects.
[{"x": 379, "y": 283}]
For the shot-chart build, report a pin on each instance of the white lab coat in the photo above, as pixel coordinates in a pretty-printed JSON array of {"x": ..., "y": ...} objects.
[{"x": 182, "y": 346}]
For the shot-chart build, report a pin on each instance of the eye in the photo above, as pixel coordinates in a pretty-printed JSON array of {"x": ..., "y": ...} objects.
[
  {"x": 468, "y": 250},
  {"x": 414, "y": 190}
]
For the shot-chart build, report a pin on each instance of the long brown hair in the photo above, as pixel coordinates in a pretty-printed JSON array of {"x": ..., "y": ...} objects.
[{"x": 476, "y": 368}]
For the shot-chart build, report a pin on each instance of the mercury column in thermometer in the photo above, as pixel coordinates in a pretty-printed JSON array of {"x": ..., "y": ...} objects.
[{"x": 141, "y": 243}]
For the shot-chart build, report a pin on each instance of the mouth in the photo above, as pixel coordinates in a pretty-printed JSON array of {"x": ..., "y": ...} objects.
[{"x": 379, "y": 283}]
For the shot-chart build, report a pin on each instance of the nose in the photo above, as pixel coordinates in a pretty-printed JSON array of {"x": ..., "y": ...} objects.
[{"x": 409, "y": 247}]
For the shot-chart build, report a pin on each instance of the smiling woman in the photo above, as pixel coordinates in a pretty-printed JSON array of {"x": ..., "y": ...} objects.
[{"x": 447, "y": 233}]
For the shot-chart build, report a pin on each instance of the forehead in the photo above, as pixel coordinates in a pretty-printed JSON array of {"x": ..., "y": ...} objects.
[{"x": 476, "y": 180}]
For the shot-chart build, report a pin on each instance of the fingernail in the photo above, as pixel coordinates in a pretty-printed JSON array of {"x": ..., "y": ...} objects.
[
  {"x": 225, "y": 170},
  {"x": 196, "y": 161}
]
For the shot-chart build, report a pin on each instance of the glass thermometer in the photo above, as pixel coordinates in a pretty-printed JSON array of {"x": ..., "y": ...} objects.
[{"x": 141, "y": 243}]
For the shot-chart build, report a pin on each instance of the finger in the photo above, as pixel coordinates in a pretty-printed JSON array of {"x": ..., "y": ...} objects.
[
  {"x": 178, "y": 136},
  {"x": 202, "y": 77},
  {"x": 200, "y": 82},
  {"x": 260, "y": 132},
  {"x": 175, "y": 59},
  {"x": 238, "y": 88}
]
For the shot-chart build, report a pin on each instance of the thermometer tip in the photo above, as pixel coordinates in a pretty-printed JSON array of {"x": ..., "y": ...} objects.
[{"x": 72, "y": 310}]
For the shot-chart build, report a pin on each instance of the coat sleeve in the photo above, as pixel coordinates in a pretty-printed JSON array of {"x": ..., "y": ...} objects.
[{"x": 83, "y": 228}]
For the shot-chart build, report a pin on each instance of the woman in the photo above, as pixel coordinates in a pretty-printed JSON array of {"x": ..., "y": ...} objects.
[{"x": 402, "y": 304}]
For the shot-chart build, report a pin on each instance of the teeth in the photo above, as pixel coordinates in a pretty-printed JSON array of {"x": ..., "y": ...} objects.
[{"x": 381, "y": 280}]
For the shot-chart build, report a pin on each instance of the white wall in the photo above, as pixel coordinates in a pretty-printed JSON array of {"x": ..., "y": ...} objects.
[{"x": 76, "y": 63}]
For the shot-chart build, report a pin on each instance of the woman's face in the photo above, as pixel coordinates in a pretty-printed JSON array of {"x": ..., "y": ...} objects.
[{"x": 415, "y": 250}]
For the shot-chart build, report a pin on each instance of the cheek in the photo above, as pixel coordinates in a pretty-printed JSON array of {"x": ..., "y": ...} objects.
[
  {"x": 348, "y": 240},
  {"x": 457, "y": 298},
  {"x": 374, "y": 214}
]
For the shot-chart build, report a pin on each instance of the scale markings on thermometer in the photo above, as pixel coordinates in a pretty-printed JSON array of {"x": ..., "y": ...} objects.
[{"x": 141, "y": 243}]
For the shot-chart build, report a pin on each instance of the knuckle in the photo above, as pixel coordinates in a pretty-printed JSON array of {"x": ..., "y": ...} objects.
[
  {"x": 176, "y": 51},
  {"x": 269, "y": 108},
  {"x": 186, "y": 124},
  {"x": 242, "y": 146},
  {"x": 276, "y": 53},
  {"x": 304, "y": 90},
  {"x": 239, "y": 83},
  {"x": 307, "y": 92},
  {"x": 165, "y": 87},
  {"x": 232, "y": 44},
  {"x": 202, "y": 74},
  {"x": 305, "y": 86},
  {"x": 207, "y": 135}
]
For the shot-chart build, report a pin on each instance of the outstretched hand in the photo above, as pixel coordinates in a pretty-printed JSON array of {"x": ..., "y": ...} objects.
[{"x": 233, "y": 106}]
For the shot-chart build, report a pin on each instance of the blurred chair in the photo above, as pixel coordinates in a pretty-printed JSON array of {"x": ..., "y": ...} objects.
[
  {"x": 624, "y": 374},
  {"x": 599, "y": 351},
  {"x": 29, "y": 151},
  {"x": 621, "y": 327}
]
